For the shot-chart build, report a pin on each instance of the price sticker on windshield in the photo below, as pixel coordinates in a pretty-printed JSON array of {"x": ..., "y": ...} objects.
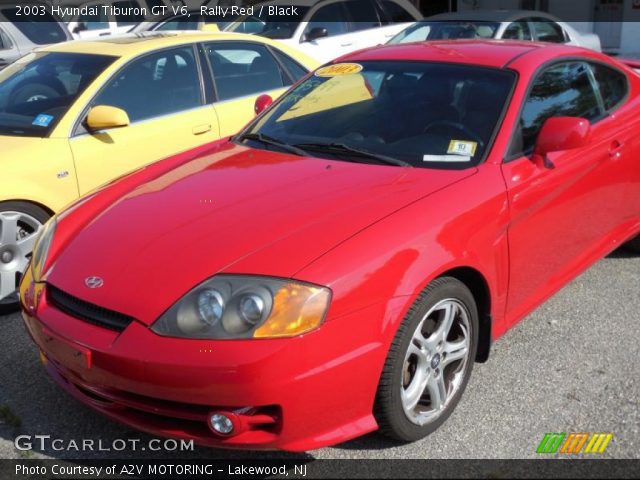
[
  {"x": 339, "y": 69},
  {"x": 461, "y": 147}
]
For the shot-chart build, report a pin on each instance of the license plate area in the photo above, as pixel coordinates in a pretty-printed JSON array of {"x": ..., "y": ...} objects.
[{"x": 71, "y": 355}]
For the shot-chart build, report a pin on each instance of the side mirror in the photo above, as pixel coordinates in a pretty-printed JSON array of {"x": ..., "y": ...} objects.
[
  {"x": 262, "y": 103},
  {"x": 315, "y": 33},
  {"x": 559, "y": 134},
  {"x": 102, "y": 117}
]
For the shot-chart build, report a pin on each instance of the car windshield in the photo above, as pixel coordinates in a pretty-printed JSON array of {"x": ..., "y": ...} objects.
[
  {"x": 422, "y": 114},
  {"x": 37, "y": 90},
  {"x": 446, "y": 30},
  {"x": 276, "y": 27}
]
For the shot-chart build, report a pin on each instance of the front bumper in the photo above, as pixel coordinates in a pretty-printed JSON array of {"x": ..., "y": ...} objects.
[{"x": 306, "y": 392}]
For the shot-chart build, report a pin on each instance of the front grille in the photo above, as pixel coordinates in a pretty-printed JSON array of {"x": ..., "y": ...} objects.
[{"x": 86, "y": 311}]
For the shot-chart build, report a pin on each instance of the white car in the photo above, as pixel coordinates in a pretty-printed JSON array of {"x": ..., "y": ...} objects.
[
  {"x": 497, "y": 24},
  {"x": 19, "y": 37},
  {"x": 96, "y": 21},
  {"x": 326, "y": 29}
]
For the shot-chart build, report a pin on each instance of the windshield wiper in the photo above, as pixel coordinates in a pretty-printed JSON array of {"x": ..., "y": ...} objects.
[
  {"x": 267, "y": 140},
  {"x": 342, "y": 148}
]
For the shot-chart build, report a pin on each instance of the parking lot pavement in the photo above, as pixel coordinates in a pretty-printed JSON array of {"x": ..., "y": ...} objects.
[{"x": 571, "y": 366}]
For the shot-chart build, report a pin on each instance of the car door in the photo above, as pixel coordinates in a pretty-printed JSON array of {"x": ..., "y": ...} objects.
[
  {"x": 242, "y": 71},
  {"x": 560, "y": 215},
  {"x": 326, "y": 35},
  {"x": 8, "y": 49},
  {"x": 162, "y": 94}
]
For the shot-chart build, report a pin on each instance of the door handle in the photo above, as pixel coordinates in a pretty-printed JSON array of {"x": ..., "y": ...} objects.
[
  {"x": 200, "y": 129},
  {"x": 346, "y": 44},
  {"x": 615, "y": 150}
]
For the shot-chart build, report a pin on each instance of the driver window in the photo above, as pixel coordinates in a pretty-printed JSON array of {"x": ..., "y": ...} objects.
[
  {"x": 5, "y": 43},
  {"x": 517, "y": 31},
  {"x": 564, "y": 89},
  {"x": 332, "y": 17},
  {"x": 158, "y": 84},
  {"x": 94, "y": 20}
]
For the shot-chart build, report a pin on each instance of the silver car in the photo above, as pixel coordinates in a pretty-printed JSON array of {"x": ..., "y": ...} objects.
[{"x": 19, "y": 36}]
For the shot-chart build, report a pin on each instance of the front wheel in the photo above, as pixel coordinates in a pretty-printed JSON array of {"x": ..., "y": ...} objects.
[
  {"x": 633, "y": 245},
  {"x": 20, "y": 224},
  {"x": 429, "y": 362}
]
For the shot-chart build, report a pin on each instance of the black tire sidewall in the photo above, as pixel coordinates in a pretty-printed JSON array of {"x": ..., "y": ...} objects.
[{"x": 396, "y": 423}]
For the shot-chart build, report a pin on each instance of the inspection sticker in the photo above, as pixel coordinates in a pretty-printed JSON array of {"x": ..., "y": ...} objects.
[
  {"x": 446, "y": 158},
  {"x": 42, "y": 120},
  {"x": 461, "y": 147},
  {"x": 339, "y": 69}
]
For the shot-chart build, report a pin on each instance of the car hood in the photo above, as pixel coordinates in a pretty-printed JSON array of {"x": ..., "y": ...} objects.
[{"x": 236, "y": 210}]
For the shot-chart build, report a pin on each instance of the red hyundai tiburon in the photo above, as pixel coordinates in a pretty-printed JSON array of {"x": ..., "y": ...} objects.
[{"x": 340, "y": 265}]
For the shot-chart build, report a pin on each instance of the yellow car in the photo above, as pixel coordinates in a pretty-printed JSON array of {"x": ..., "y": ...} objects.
[{"x": 77, "y": 115}]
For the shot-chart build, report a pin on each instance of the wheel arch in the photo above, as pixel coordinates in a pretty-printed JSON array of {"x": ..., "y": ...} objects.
[
  {"x": 44, "y": 207},
  {"x": 475, "y": 281}
]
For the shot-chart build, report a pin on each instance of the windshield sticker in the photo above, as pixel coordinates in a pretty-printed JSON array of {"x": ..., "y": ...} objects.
[
  {"x": 461, "y": 147},
  {"x": 42, "y": 120},
  {"x": 339, "y": 69},
  {"x": 446, "y": 158}
]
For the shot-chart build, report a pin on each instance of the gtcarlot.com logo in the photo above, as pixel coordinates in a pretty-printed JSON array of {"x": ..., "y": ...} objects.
[{"x": 574, "y": 443}]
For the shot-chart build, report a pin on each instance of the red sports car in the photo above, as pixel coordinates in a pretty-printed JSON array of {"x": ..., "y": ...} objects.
[{"x": 340, "y": 265}]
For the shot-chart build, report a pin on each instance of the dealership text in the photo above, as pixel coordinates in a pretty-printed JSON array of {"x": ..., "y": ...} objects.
[{"x": 157, "y": 469}]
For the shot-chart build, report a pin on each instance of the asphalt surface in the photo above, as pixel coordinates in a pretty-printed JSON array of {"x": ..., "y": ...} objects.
[{"x": 571, "y": 366}]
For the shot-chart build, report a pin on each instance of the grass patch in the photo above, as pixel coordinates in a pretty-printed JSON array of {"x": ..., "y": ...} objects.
[{"x": 7, "y": 417}]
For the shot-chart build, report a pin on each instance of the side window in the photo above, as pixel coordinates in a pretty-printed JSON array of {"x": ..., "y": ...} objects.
[
  {"x": 612, "y": 84},
  {"x": 95, "y": 19},
  {"x": 548, "y": 31},
  {"x": 5, "y": 43},
  {"x": 396, "y": 13},
  {"x": 295, "y": 70},
  {"x": 562, "y": 90},
  {"x": 363, "y": 15},
  {"x": 241, "y": 69},
  {"x": 517, "y": 31},
  {"x": 332, "y": 17},
  {"x": 126, "y": 14},
  {"x": 158, "y": 84}
]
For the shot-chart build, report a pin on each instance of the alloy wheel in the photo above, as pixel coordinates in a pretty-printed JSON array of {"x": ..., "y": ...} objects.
[
  {"x": 18, "y": 234},
  {"x": 435, "y": 361}
]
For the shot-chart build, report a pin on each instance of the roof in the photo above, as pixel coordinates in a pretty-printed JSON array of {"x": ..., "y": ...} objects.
[
  {"x": 130, "y": 45},
  {"x": 489, "y": 15},
  {"x": 490, "y": 53}
]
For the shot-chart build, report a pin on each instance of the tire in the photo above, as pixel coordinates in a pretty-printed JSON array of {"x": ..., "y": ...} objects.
[
  {"x": 449, "y": 375},
  {"x": 633, "y": 245},
  {"x": 18, "y": 220}
]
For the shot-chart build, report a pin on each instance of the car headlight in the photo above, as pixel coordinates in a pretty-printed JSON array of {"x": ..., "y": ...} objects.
[
  {"x": 41, "y": 249},
  {"x": 239, "y": 306}
]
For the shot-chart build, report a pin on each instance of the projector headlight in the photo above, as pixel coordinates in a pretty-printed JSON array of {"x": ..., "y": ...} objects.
[
  {"x": 238, "y": 306},
  {"x": 41, "y": 249}
]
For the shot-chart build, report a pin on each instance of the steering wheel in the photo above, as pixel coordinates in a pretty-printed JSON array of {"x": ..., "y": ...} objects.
[{"x": 458, "y": 126}]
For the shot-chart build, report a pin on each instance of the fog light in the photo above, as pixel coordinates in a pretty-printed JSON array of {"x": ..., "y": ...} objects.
[{"x": 221, "y": 424}]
